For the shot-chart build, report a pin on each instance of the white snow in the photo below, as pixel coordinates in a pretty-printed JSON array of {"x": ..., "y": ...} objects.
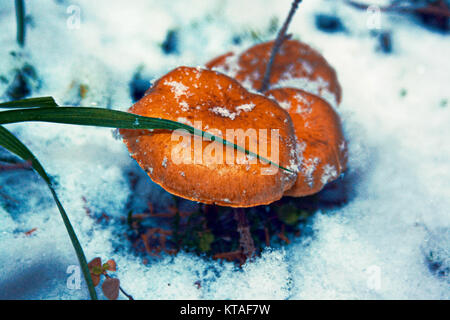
[
  {"x": 177, "y": 88},
  {"x": 318, "y": 87},
  {"x": 224, "y": 112},
  {"x": 247, "y": 107},
  {"x": 184, "y": 106},
  {"x": 374, "y": 247},
  {"x": 184, "y": 120},
  {"x": 310, "y": 165},
  {"x": 329, "y": 172},
  {"x": 286, "y": 105}
]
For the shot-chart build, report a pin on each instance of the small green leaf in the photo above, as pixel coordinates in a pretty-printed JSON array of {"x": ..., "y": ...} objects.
[
  {"x": 290, "y": 214},
  {"x": 97, "y": 270},
  {"x": 205, "y": 241}
]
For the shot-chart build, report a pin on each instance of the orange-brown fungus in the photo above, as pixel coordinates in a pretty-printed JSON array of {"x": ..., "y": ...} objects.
[
  {"x": 296, "y": 65},
  {"x": 191, "y": 96},
  {"x": 322, "y": 147}
]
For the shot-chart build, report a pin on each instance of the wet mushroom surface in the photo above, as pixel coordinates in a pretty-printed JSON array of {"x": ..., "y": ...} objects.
[
  {"x": 205, "y": 171},
  {"x": 322, "y": 147},
  {"x": 296, "y": 65}
]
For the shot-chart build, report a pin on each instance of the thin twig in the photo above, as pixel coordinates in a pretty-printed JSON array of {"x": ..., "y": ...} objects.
[
  {"x": 20, "y": 17},
  {"x": 126, "y": 294},
  {"x": 277, "y": 45},
  {"x": 26, "y": 165},
  {"x": 10, "y": 160},
  {"x": 231, "y": 256}
]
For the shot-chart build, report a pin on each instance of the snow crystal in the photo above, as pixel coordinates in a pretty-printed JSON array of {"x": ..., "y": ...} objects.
[
  {"x": 308, "y": 168},
  {"x": 164, "y": 162},
  {"x": 286, "y": 105},
  {"x": 224, "y": 112},
  {"x": 184, "y": 106},
  {"x": 246, "y": 107},
  {"x": 318, "y": 87},
  {"x": 308, "y": 67},
  {"x": 329, "y": 172},
  {"x": 293, "y": 165},
  {"x": 185, "y": 121},
  {"x": 177, "y": 88},
  {"x": 232, "y": 66}
]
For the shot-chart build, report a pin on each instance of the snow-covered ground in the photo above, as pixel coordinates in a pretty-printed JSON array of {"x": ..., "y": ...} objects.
[{"x": 395, "y": 111}]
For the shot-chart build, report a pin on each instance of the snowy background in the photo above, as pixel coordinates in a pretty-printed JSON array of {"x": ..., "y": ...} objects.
[{"x": 390, "y": 241}]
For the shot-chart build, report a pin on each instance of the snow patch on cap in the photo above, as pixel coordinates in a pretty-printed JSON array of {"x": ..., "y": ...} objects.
[
  {"x": 329, "y": 172},
  {"x": 224, "y": 112},
  {"x": 319, "y": 87},
  {"x": 177, "y": 88},
  {"x": 246, "y": 107}
]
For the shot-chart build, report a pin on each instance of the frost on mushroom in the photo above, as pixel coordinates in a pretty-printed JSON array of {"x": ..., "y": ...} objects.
[
  {"x": 205, "y": 174},
  {"x": 177, "y": 88},
  {"x": 296, "y": 65},
  {"x": 322, "y": 147},
  {"x": 224, "y": 112}
]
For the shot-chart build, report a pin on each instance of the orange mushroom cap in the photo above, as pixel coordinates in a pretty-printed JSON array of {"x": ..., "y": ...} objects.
[
  {"x": 191, "y": 95},
  {"x": 322, "y": 147},
  {"x": 296, "y": 65}
]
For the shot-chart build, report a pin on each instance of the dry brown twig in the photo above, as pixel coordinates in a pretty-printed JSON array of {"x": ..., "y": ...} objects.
[
  {"x": 26, "y": 165},
  {"x": 277, "y": 45}
]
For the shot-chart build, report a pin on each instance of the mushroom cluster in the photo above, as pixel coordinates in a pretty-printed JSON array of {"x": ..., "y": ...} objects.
[
  {"x": 293, "y": 124},
  {"x": 202, "y": 170},
  {"x": 296, "y": 65}
]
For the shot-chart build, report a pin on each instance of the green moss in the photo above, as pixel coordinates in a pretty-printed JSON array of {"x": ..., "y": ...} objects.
[
  {"x": 291, "y": 215},
  {"x": 212, "y": 230},
  {"x": 205, "y": 241}
]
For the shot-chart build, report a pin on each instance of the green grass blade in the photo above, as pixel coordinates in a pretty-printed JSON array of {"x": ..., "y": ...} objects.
[
  {"x": 111, "y": 119},
  {"x": 41, "y": 102},
  {"x": 20, "y": 18},
  {"x": 11, "y": 143}
]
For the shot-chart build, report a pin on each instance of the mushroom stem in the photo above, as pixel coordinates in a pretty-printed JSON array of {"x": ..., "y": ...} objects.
[
  {"x": 277, "y": 45},
  {"x": 245, "y": 237}
]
